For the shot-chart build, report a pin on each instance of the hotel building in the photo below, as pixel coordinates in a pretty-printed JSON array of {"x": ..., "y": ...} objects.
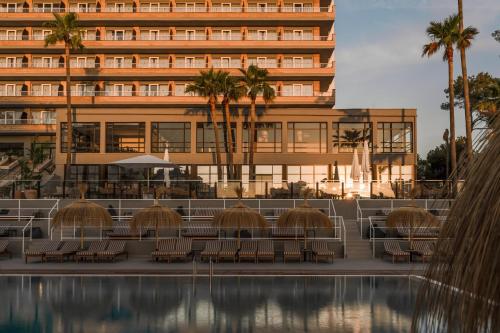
[{"x": 128, "y": 88}]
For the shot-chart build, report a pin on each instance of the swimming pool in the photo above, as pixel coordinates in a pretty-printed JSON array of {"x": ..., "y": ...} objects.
[{"x": 227, "y": 304}]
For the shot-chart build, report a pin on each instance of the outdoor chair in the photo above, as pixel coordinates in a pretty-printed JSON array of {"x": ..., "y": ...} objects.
[
  {"x": 165, "y": 249},
  {"x": 211, "y": 251},
  {"x": 392, "y": 248},
  {"x": 292, "y": 251},
  {"x": 3, "y": 248},
  {"x": 248, "y": 251},
  {"x": 39, "y": 249},
  {"x": 265, "y": 250},
  {"x": 292, "y": 233},
  {"x": 183, "y": 249},
  {"x": 200, "y": 231},
  {"x": 67, "y": 250},
  {"x": 90, "y": 253},
  {"x": 114, "y": 249},
  {"x": 229, "y": 250},
  {"x": 320, "y": 251},
  {"x": 423, "y": 250}
]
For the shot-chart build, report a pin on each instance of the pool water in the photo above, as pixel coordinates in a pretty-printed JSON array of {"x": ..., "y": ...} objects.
[{"x": 227, "y": 304}]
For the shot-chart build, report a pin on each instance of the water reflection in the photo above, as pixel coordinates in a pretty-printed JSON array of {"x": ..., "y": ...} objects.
[{"x": 229, "y": 304}]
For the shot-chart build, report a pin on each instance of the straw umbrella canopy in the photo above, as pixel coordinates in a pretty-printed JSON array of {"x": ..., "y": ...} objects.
[
  {"x": 239, "y": 216},
  {"x": 82, "y": 213},
  {"x": 411, "y": 217},
  {"x": 156, "y": 216},
  {"x": 304, "y": 216}
]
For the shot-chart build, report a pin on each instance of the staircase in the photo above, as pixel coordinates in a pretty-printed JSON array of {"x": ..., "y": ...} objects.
[{"x": 357, "y": 248}]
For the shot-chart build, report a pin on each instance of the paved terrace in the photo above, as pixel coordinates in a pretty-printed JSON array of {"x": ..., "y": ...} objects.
[{"x": 143, "y": 266}]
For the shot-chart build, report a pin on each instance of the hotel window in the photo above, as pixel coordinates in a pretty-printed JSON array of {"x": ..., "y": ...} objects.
[
  {"x": 11, "y": 7},
  {"x": 11, "y": 117},
  {"x": 81, "y": 89},
  {"x": 45, "y": 33},
  {"x": 311, "y": 174},
  {"x": 307, "y": 138},
  {"x": 125, "y": 137},
  {"x": 262, "y": 62},
  {"x": 298, "y": 62},
  {"x": 154, "y": 62},
  {"x": 393, "y": 173},
  {"x": 298, "y": 34},
  {"x": 190, "y": 35},
  {"x": 10, "y": 90},
  {"x": 84, "y": 34},
  {"x": 346, "y": 136},
  {"x": 11, "y": 35},
  {"x": 86, "y": 137},
  {"x": 153, "y": 89},
  {"x": 225, "y": 34},
  {"x": 81, "y": 62},
  {"x": 10, "y": 62},
  {"x": 189, "y": 62},
  {"x": 174, "y": 136},
  {"x": 205, "y": 138},
  {"x": 118, "y": 62},
  {"x": 46, "y": 62},
  {"x": 118, "y": 34},
  {"x": 208, "y": 173},
  {"x": 395, "y": 137},
  {"x": 82, "y": 7},
  {"x": 189, "y": 6},
  {"x": 225, "y": 62},
  {"x": 46, "y": 89},
  {"x": 225, "y": 7},
  {"x": 270, "y": 174},
  {"x": 298, "y": 7},
  {"x": 118, "y": 89},
  {"x": 119, "y": 7},
  {"x": 262, "y": 7},
  {"x": 261, "y": 34},
  {"x": 267, "y": 137},
  {"x": 154, "y": 34}
]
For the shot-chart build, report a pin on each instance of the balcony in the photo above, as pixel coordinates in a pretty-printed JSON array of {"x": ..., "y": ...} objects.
[{"x": 27, "y": 126}]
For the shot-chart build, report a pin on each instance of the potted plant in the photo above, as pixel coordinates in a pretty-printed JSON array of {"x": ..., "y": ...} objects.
[{"x": 28, "y": 179}]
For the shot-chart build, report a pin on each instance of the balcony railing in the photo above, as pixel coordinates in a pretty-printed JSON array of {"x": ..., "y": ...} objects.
[{"x": 50, "y": 121}]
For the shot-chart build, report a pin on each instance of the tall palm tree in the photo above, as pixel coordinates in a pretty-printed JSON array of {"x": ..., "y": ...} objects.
[
  {"x": 466, "y": 36},
  {"x": 65, "y": 30},
  {"x": 208, "y": 84},
  {"x": 444, "y": 35},
  {"x": 232, "y": 91},
  {"x": 255, "y": 81}
]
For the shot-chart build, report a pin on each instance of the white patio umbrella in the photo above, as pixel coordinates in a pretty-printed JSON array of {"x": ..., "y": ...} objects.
[
  {"x": 166, "y": 173},
  {"x": 144, "y": 162},
  {"x": 355, "y": 168},
  {"x": 365, "y": 162}
]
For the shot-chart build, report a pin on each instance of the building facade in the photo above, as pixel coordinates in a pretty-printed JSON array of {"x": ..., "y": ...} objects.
[{"x": 128, "y": 90}]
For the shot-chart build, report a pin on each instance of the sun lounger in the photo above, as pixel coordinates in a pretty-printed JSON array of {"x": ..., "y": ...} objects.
[
  {"x": 265, "y": 250},
  {"x": 248, "y": 250},
  {"x": 90, "y": 253},
  {"x": 200, "y": 231},
  {"x": 114, "y": 249},
  {"x": 228, "y": 250},
  {"x": 423, "y": 250},
  {"x": 3, "y": 248},
  {"x": 393, "y": 249},
  {"x": 40, "y": 248},
  {"x": 287, "y": 232},
  {"x": 292, "y": 251},
  {"x": 69, "y": 248},
  {"x": 320, "y": 251},
  {"x": 211, "y": 251},
  {"x": 165, "y": 249},
  {"x": 183, "y": 249}
]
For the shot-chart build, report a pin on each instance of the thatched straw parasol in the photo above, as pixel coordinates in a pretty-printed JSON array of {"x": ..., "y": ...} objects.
[
  {"x": 411, "y": 217},
  {"x": 82, "y": 213},
  {"x": 467, "y": 255},
  {"x": 304, "y": 217},
  {"x": 156, "y": 216},
  {"x": 239, "y": 216}
]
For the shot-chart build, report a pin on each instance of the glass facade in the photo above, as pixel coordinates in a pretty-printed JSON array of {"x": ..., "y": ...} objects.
[
  {"x": 174, "y": 136},
  {"x": 307, "y": 138},
  {"x": 270, "y": 174},
  {"x": 267, "y": 137},
  {"x": 125, "y": 137},
  {"x": 205, "y": 138},
  {"x": 346, "y": 136},
  {"x": 310, "y": 174},
  {"x": 86, "y": 137},
  {"x": 395, "y": 138}
]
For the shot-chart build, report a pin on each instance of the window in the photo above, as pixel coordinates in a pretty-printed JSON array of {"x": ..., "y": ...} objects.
[
  {"x": 11, "y": 7},
  {"x": 205, "y": 138},
  {"x": 46, "y": 89},
  {"x": 272, "y": 175},
  {"x": 46, "y": 62},
  {"x": 153, "y": 89},
  {"x": 118, "y": 34},
  {"x": 154, "y": 34},
  {"x": 125, "y": 137},
  {"x": 118, "y": 62},
  {"x": 119, "y": 7},
  {"x": 86, "y": 137},
  {"x": 47, "y": 7},
  {"x": 225, "y": 7},
  {"x": 81, "y": 62},
  {"x": 262, "y": 62},
  {"x": 83, "y": 34},
  {"x": 297, "y": 89},
  {"x": 225, "y": 34},
  {"x": 82, "y": 7},
  {"x": 45, "y": 33},
  {"x": 189, "y": 62},
  {"x": 154, "y": 62},
  {"x": 11, "y": 34},
  {"x": 298, "y": 7},
  {"x": 118, "y": 90},
  {"x": 10, "y": 62},
  {"x": 311, "y": 174},
  {"x": 262, "y": 7},
  {"x": 225, "y": 62},
  {"x": 297, "y": 34},
  {"x": 10, "y": 89},
  {"x": 307, "y": 138},
  {"x": 346, "y": 136},
  {"x": 190, "y": 34},
  {"x": 261, "y": 34},
  {"x": 267, "y": 137},
  {"x": 174, "y": 136},
  {"x": 395, "y": 137},
  {"x": 9, "y": 117},
  {"x": 81, "y": 89},
  {"x": 190, "y": 7},
  {"x": 298, "y": 62},
  {"x": 154, "y": 7}
]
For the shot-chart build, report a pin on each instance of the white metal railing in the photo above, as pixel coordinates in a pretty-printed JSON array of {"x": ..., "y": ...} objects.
[
  {"x": 23, "y": 232},
  {"x": 51, "y": 121}
]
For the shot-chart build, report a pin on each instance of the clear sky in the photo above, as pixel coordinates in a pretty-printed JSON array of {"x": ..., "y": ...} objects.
[{"x": 379, "y": 63}]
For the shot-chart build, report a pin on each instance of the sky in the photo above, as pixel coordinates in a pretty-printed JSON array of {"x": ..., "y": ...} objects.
[{"x": 379, "y": 63}]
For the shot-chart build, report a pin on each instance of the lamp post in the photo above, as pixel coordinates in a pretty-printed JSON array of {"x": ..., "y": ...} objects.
[{"x": 446, "y": 137}]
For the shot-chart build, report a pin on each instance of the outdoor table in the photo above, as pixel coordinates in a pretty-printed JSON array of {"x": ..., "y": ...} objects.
[{"x": 307, "y": 254}]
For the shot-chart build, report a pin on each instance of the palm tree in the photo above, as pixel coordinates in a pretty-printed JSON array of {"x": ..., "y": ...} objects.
[
  {"x": 208, "y": 85},
  {"x": 65, "y": 30},
  {"x": 352, "y": 137},
  {"x": 232, "y": 91},
  {"x": 444, "y": 35},
  {"x": 464, "y": 42},
  {"x": 255, "y": 81}
]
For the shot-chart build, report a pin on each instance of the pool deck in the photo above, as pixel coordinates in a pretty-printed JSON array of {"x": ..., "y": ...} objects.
[{"x": 141, "y": 266}]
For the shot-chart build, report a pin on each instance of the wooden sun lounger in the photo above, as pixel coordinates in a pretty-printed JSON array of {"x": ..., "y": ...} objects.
[
  {"x": 165, "y": 249},
  {"x": 90, "y": 253},
  {"x": 114, "y": 249},
  {"x": 69, "y": 248},
  {"x": 287, "y": 232},
  {"x": 248, "y": 250},
  {"x": 320, "y": 251},
  {"x": 292, "y": 251},
  {"x": 423, "y": 250},
  {"x": 228, "y": 250},
  {"x": 3, "y": 248},
  {"x": 211, "y": 251},
  {"x": 183, "y": 249},
  {"x": 265, "y": 250},
  {"x": 39, "y": 250},
  {"x": 200, "y": 231},
  {"x": 393, "y": 249}
]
